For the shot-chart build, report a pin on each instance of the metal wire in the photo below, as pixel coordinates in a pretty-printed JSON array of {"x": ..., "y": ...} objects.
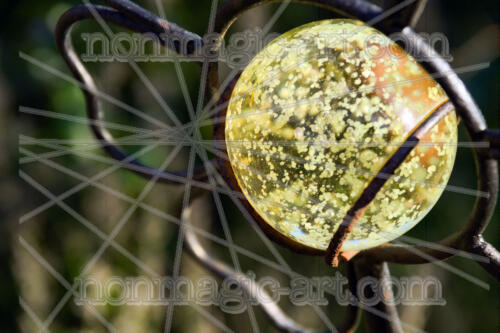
[{"x": 371, "y": 262}]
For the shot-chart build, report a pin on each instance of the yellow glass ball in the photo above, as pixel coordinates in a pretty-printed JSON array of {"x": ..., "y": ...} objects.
[{"x": 313, "y": 118}]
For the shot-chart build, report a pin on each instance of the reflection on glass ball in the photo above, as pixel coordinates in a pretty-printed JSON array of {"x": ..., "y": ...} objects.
[{"x": 315, "y": 116}]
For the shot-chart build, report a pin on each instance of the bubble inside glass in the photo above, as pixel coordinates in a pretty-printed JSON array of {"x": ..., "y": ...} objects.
[{"x": 314, "y": 117}]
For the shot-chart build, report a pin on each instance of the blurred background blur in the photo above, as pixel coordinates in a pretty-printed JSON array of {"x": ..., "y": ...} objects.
[{"x": 472, "y": 28}]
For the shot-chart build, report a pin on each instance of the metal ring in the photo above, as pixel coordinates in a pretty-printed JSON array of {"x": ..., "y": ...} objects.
[{"x": 89, "y": 88}]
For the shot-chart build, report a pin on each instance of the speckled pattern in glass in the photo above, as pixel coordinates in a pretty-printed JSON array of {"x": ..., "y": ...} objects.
[{"x": 315, "y": 116}]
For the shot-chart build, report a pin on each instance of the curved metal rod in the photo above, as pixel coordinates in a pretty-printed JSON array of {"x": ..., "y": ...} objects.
[
  {"x": 89, "y": 88},
  {"x": 493, "y": 138},
  {"x": 353, "y": 315},
  {"x": 487, "y": 169},
  {"x": 279, "y": 319},
  {"x": 159, "y": 26},
  {"x": 376, "y": 323},
  {"x": 485, "y": 249},
  {"x": 376, "y": 183},
  {"x": 359, "y": 9},
  {"x": 356, "y": 270},
  {"x": 270, "y": 308}
]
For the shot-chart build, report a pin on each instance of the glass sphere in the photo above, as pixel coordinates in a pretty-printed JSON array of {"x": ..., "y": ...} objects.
[{"x": 313, "y": 118}]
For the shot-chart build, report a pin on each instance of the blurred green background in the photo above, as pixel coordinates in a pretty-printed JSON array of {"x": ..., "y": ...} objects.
[{"x": 472, "y": 28}]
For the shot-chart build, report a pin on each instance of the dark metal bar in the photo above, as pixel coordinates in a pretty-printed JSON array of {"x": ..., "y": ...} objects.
[
  {"x": 89, "y": 88},
  {"x": 158, "y": 25},
  {"x": 493, "y": 138},
  {"x": 270, "y": 308},
  {"x": 486, "y": 166},
  {"x": 369, "y": 193},
  {"x": 379, "y": 271},
  {"x": 359, "y": 9},
  {"x": 485, "y": 249},
  {"x": 353, "y": 314}
]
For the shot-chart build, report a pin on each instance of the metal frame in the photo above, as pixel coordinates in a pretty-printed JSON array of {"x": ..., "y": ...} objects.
[{"x": 373, "y": 262}]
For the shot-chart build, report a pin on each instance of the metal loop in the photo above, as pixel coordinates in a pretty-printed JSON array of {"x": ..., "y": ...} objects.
[
  {"x": 487, "y": 168},
  {"x": 250, "y": 287},
  {"x": 89, "y": 88},
  {"x": 159, "y": 26}
]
